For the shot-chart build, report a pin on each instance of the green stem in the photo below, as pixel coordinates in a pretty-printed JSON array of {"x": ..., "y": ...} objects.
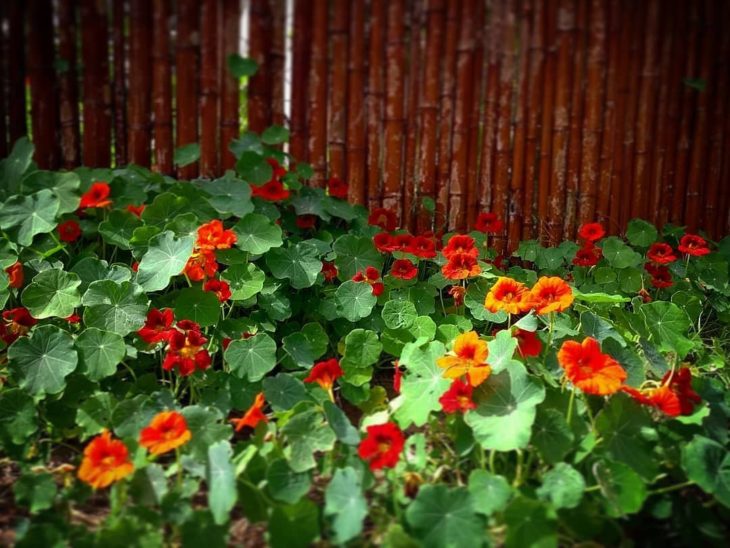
[
  {"x": 569, "y": 414},
  {"x": 492, "y": 456},
  {"x": 59, "y": 245},
  {"x": 671, "y": 488},
  {"x": 590, "y": 414},
  {"x": 518, "y": 471},
  {"x": 179, "y": 468}
]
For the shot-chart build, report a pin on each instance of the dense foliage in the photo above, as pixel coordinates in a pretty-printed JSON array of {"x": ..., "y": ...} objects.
[{"x": 181, "y": 360}]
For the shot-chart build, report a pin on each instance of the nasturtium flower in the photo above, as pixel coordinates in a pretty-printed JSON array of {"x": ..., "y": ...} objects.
[
  {"x": 661, "y": 277},
  {"x": 73, "y": 318},
  {"x": 384, "y": 242},
  {"x": 212, "y": 235},
  {"x": 489, "y": 223},
  {"x": 382, "y": 446},
  {"x": 168, "y": 430},
  {"x": 15, "y": 323},
  {"x": 551, "y": 294},
  {"x": 422, "y": 247},
  {"x": 460, "y": 267},
  {"x": 528, "y": 343},
  {"x": 96, "y": 196},
  {"x": 402, "y": 242},
  {"x": 661, "y": 253},
  {"x": 397, "y": 377},
  {"x": 508, "y": 295},
  {"x": 588, "y": 255},
  {"x": 468, "y": 357},
  {"x": 186, "y": 349},
  {"x": 69, "y": 231},
  {"x": 403, "y": 269},
  {"x": 673, "y": 397},
  {"x": 278, "y": 171},
  {"x": 253, "y": 415},
  {"x": 136, "y": 210},
  {"x": 306, "y": 222},
  {"x": 220, "y": 288},
  {"x": 457, "y": 292},
  {"x": 201, "y": 264},
  {"x": 591, "y": 232},
  {"x": 15, "y": 275},
  {"x": 106, "y": 460},
  {"x": 337, "y": 188},
  {"x": 458, "y": 397},
  {"x": 329, "y": 270},
  {"x": 273, "y": 191},
  {"x": 589, "y": 369},
  {"x": 691, "y": 244},
  {"x": 384, "y": 218},
  {"x": 372, "y": 277},
  {"x": 460, "y": 244},
  {"x": 157, "y": 326},
  {"x": 325, "y": 373}
]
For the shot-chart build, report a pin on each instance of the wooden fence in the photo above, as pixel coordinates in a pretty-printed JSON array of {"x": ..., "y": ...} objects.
[{"x": 549, "y": 113}]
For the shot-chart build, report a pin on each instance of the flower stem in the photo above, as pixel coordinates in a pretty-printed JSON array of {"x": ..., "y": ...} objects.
[
  {"x": 569, "y": 414},
  {"x": 671, "y": 488}
]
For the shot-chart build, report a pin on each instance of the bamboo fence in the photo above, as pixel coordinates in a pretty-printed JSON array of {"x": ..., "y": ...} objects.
[{"x": 549, "y": 113}]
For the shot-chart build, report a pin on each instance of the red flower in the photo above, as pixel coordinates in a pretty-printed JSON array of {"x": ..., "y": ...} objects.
[
  {"x": 185, "y": 349},
  {"x": 278, "y": 170},
  {"x": 135, "y": 266},
  {"x": 212, "y": 235},
  {"x": 461, "y": 266},
  {"x": 591, "y": 232},
  {"x": 460, "y": 244},
  {"x": 422, "y": 247},
  {"x": 96, "y": 196},
  {"x": 329, "y": 270},
  {"x": 201, "y": 265},
  {"x": 384, "y": 242},
  {"x": 220, "y": 288},
  {"x": 397, "y": 377},
  {"x": 15, "y": 275},
  {"x": 168, "y": 430},
  {"x": 306, "y": 222},
  {"x": 69, "y": 231},
  {"x": 273, "y": 191},
  {"x": 457, "y": 292},
  {"x": 588, "y": 255},
  {"x": 661, "y": 277},
  {"x": 106, "y": 461},
  {"x": 661, "y": 253},
  {"x": 253, "y": 415},
  {"x": 382, "y": 446},
  {"x": 136, "y": 210},
  {"x": 589, "y": 369},
  {"x": 16, "y": 323},
  {"x": 402, "y": 242},
  {"x": 377, "y": 288},
  {"x": 528, "y": 344},
  {"x": 372, "y": 277},
  {"x": 489, "y": 223},
  {"x": 694, "y": 245},
  {"x": 681, "y": 384},
  {"x": 457, "y": 397},
  {"x": 384, "y": 218},
  {"x": 158, "y": 326},
  {"x": 325, "y": 373},
  {"x": 337, "y": 188},
  {"x": 73, "y": 318},
  {"x": 403, "y": 269},
  {"x": 674, "y": 397}
]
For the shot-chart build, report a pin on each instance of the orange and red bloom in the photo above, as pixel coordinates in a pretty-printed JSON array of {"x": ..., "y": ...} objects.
[
  {"x": 69, "y": 231},
  {"x": 591, "y": 232},
  {"x": 661, "y": 253},
  {"x": 403, "y": 269},
  {"x": 460, "y": 267},
  {"x": 212, "y": 235},
  {"x": 372, "y": 277},
  {"x": 253, "y": 415},
  {"x": 168, "y": 430},
  {"x": 508, "y": 295},
  {"x": 460, "y": 244},
  {"x": 220, "y": 288},
  {"x": 15, "y": 275},
  {"x": 488, "y": 223},
  {"x": 673, "y": 397},
  {"x": 337, "y": 188},
  {"x": 185, "y": 349},
  {"x": 325, "y": 373},
  {"x": 15, "y": 323},
  {"x": 468, "y": 358},
  {"x": 273, "y": 191},
  {"x": 136, "y": 210},
  {"x": 457, "y": 292},
  {"x": 158, "y": 326},
  {"x": 589, "y": 369},
  {"x": 106, "y": 460},
  {"x": 458, "y": 397},
  {"x": 691, "y": 244},
  {"x": 382, "y": 446},
  {"x": 202, "y": 264},
  {"x": 96, "y": 196},
  {"x": 551, "y": 294}
]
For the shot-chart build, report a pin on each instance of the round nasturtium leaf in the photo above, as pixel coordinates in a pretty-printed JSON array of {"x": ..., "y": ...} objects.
[
  {"x": 623, "y": 489},
  {"x": 490, "y": 492},
  {"x": 30, "y": 215},
  {"x": 299, "y": 264},
  {"x": 252, "y": 358},
  {"x": 355, "y": 300},
  {"x": 229, "y": 195},
  {"x": 119, "y": 228},
  {"x": 40, "y": 363},
  {"x": 257, "y": 234},
  {"x": 52, "y": 292},
  {"x": 284, "y": 484},
  {"x": 253, "y": 168},
  {"x": 165, "y": 258},
  {"x": 306, "y": 433},
  {"x": 355, "y": 254},
  {"x": 563, "y": 486},
  {"x": 345, "y": 502},
  {"x": 18, "y": 415},
  {"x": 203, "y": 307},
  {"x": 707, "y": 463},
  {"x": 399, "y": 314},
  {"x": 117, "y": 307},
  {"x": 100, "y": 352},
  {"x": 245, "y": 280},
  {"x": 641, "y": 233}
]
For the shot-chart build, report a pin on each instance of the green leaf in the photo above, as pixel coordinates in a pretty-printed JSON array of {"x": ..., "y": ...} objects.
[
  {"x": 490, "y": 492},
  {"x": 241, "y": 66},
  {"x": 623, "y": 489},
  {"x": 245, "y": 280},
  {"x": 204, "y": 425},
  {"x": 340, "y": 424},
  {"x": 294, "y": 526},
  {"x": 529, "y": 524},
  {"x": 229, "y": 195},
  {"x": 640, "y": 233},
  {"x": 707, "y": 463},
  {"x": 399, "y": 314},
  {"x": 306, "y": 433},
  {"x": 52, "y": 292},
  {"x": 91, "y": 269},
  {"x": 551, "y": 435},
  {"x": 186, "y": 154},
  {"x": 284, "y": 391},
  {"x": 119, "y": 227},
  {"x": 257, "y": 234},
  {"x": 275, "y": 135},
  {"x": 599, "y": 298},
  {"x": 362, "y": 348},
  {"x": 668, "y": 325},
  {"x": 354, "y": 254},
  {"x": 117, "y": 307},
  {"x": 165, "y": 258},
  {"x": 474, "y": 301},
  {"x": 284, "y": 484},
  {"x": 221, "y": 480},
  {"x": 505, "y": 410},
  {"x": 35, "y": 491},
  {"x": 40, "y": 363},
  {"x": 501, "y": 350},
  {"x": 64, "y": 185},
  {"x": 599, "y": 328},
  {"x": 423, "y": 384},
  {"x": 563, "y": 486},
  {"x": 95, "y": 413},
  {"x": 203, "y": 307},
  {"x": 165, "y": 207},
  {"x": 355, "y": 300},
  {"x": 443, "y": 517},
  {"x": 253, "y": 168},
  {"x": 18, "y": 416},
  {"x": 305, "y": 346},
  {"x": 344, "y": 500},
  {"x": 100, "y": 352},
  {"x": 253, "y": 357},
  {"x": 299, "y": 264},
  {"x": 29, "y": 215},
  {"x": 698, "y": 84},
  {"x": 14, "y": 166},
  {"x": 618, "y": 254}
]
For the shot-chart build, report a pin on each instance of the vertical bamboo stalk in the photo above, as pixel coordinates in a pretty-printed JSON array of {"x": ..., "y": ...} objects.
[
  {"x": 3, "y": 78},
  {"x": 472, "y": 173},
  {"x": 337, "y": 123},
  {"x": 575, "y": 142},
  {"x": 186, "y": 76},
  {"x": 209, "y": 87},
  {"x": 458, "y": 197},
  {"x": 16, "y": 71},
  {"x": 96, "y": 91},
  {"x": 723, "y": 216},
  {"x": 259, "y": 86},
  {"x": 301, "y": 58},
  {"x": 318, "y": 94},
  {"x": 44, "y": 107},
  {"x": 140, "y": 82},
  {"x": 119, "y": 84},
  {"x": 229, "y": 85},
  {"x": 428, "y": 110},
  {"x": 593, "y": 109},
  {"x": 68, "y": 92},
  {"x": 534, "y": 114},
  {"x": 374, "y": 99},
  {"x": 277, "y": 59},
  {"x": 487, "y": 160},
  {"x": 162, "y": 87},
  {"x": 356, "y": 104}
]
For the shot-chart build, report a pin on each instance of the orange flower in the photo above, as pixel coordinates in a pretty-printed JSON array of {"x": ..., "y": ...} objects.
[
  {"x": 589, "y": 369},
  {"x": 96, "y": 196},
  {"x": 461, "y": 266},
  {"x": 106, "y": 460},
  {"x": 457, "y": 292},
  {"x": 460, "y": 244},
  {"x": 551, "y": 294},
  {"x": 15, "y": 275},
  {"x": 212, "y": 235},
  {"x": 469, "y": 358},
  {"x": 325, "y": 373},
  {"x": 253, "y": 415},
  {"x": 201, "y": 265},
  {"x": 136, "y": 210},
  {"x": 168, "y": 430},
  {"x": 508, "y": 295}
]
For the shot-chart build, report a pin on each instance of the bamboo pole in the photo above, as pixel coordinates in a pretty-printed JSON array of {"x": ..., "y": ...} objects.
[
  {"x": 374, "y": 99},
  {"x": 68, "y": 91},
  {"x": 96, "y": 89},
  {"x": 317, "y": 114},
  {"x": 186, "y": 73},
  {"x": 229, "y": 85},
  {"x": 301, "y": 59},
  {"x": 277, "y": 59},
  {"x": 479, "y": 64},
  {"x": 593, "y": 109},
  {"x": 428, "y": 109},
  {"x": 356, "y": 104},
  {"x": 462, "y": 107},
  {"x": 3, "y": 78},
  {"x": 209, "y": 87},
  {"x": 337, "y": 122},
  {"x": 489, "y": 117},
  {"x": 140, "y": 82},
  {"x": 259, "y": 86},
  {"x": 16, "y": 71},
  {"x": 162, "y": 87},
  {"x": 119, "y": 83},
  {"x": 723, "y": 216}
]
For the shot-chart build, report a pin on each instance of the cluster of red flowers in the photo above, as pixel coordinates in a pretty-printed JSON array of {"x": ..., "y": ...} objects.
[
  {"x": 274, "y": 190},
  {"x": 423, "y": 246},
  {"x": 461, "y": 256},
  {"x": 325, "y": 373},
  {"x": 661, "y": 254},
  {"x": 549, "y": 294},
  {"x": 589, "y": 253},
  {"x": 15, "y": 323},
  {"x": 674, "y": 396},
  {"x": 202, "y": 263},
  {"x": 372, "y": 277}
]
